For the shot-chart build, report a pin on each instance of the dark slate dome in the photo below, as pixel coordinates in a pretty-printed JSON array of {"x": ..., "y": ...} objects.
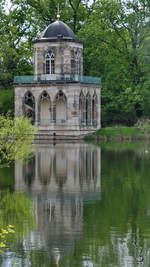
[{"x": 58, "y": 30}]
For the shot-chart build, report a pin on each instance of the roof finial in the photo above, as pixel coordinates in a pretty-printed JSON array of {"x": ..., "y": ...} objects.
[{"x": 58, "y": 12}]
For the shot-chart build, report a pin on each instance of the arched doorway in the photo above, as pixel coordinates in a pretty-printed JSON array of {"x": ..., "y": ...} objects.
[
  {"x": 60, "y": 114},
  {"x": 45, "y": 115},
  {"x": 28, "y": 106}
]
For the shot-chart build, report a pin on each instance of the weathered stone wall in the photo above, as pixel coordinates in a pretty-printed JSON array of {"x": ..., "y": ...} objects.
[
  {"x": 64, "y": 52},
  {"x": 72, "y": 92}
]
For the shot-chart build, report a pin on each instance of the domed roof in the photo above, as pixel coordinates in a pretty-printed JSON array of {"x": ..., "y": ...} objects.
[{"x": 58, "y": 30}]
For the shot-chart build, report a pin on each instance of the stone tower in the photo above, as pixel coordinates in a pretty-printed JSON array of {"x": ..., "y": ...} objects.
[{"x": 58, "y": 99}]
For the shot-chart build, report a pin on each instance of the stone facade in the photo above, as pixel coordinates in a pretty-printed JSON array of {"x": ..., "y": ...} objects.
[
  {"x": 72, "y": 122},
  {"x": 58, "y": 99},
  {"x": 65, "y": 53}
]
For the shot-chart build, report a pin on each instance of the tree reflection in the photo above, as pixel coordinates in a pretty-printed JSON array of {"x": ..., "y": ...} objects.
[
  {"x": 17, "y": 209},
  {"x": 117, "y": 228}
]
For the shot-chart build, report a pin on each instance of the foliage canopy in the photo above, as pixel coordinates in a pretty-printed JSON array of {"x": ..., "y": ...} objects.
[
  {"x": 116, "y": 36},
  {"x": 16, "y": 136}
]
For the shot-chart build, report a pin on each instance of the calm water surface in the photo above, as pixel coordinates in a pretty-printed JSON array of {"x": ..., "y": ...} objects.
[{"x": 78, "y": 205}]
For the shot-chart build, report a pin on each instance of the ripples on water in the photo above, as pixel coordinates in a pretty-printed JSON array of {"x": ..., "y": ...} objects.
[{"x": 75, "y": 205}]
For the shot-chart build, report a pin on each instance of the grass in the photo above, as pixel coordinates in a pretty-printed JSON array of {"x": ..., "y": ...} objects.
[{"x": 116, "y": 132}]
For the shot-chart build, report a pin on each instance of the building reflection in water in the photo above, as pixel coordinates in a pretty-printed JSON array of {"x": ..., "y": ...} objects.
[{"x": 60, "y": 178}]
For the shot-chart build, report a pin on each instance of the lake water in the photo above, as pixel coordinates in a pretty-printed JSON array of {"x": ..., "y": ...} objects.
[{"x": 78, "y": 205}]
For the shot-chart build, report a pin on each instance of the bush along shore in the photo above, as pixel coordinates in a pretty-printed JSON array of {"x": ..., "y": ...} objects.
[{"x": 140, "y": 131}]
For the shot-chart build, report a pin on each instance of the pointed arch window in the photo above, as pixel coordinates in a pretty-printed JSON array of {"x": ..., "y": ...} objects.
[
  {"x": 50, "y": 63},
  {"x": 77, "y": 65},
  {"x": 72, "y": 66},
  {"x": 28, "y": 106}
]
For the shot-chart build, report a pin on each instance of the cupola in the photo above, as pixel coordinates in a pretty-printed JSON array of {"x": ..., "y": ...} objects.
[
  {"x": 57, "y": 51},
  {"x": 58, "y": 30}
]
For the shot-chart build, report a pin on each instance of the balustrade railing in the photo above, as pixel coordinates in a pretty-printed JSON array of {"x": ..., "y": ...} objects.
[{"x": 45, "y": 78}]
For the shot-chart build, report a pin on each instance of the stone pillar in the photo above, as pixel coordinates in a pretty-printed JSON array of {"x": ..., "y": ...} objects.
[
  {"x": 53, "y": 112},
  {"x": 36, "y": 112},
  {"x": 84, "y": 111},
  {"x": 98, "y": 92},
  {"x": 36, "y": 165},
  {"x": 89, "y": 110},
  {"x": 35, "y": 61}
]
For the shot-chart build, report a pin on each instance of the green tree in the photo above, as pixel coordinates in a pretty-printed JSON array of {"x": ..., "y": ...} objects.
[
  {"x": 115, "y": 37},
  {"x": 16, "y": 136},
  {"x": 21, "y": 23},
  {"x": 7, "y": 101},
  {"x": 16, "y": 31}
]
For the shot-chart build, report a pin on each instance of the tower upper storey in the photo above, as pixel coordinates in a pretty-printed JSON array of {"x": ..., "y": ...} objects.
[{"x": 57, "y": 51}]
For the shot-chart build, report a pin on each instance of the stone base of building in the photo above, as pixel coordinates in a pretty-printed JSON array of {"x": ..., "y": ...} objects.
[{"x": 68, "y": 135}]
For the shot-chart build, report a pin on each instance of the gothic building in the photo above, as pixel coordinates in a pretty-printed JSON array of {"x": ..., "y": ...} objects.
[{"x": 58, "y": 99}]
